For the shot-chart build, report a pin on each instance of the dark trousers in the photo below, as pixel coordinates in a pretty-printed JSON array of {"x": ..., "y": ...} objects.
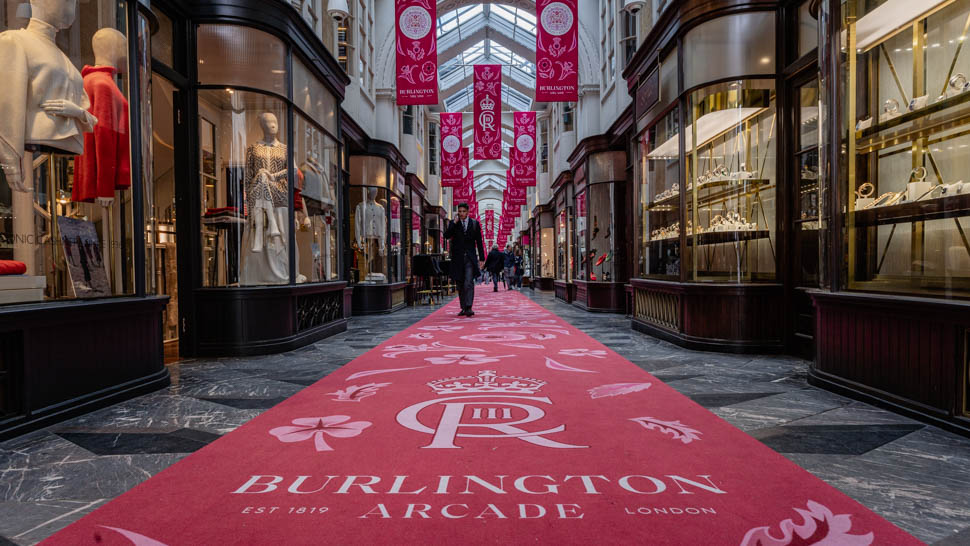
[
  {"x": 495, "y": 277},
  {"x": 466, "y": 288}
]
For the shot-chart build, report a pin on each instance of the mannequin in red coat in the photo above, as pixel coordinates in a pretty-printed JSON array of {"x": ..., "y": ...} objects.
[{"x": 105, "y": 164}]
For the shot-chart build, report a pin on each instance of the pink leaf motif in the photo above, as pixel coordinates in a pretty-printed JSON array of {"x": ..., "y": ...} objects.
[
  {"x": 524, "y": 345},
  {"x": 356, "y": 393},
  {"x": 366, "y": 373},
  {"x": 135, "y": 538},
  {"x": 465, "y": 360},
  {"x": 393, "y": 351},
  {"x": 591, "y": 353},
  {"x": 553, "y": 365},
  {"x": 678, "y": 430},
  {"x": 617, "y": 389},
  {"x": 819, "y": 526},
  {"x": 306, "y": 428}
]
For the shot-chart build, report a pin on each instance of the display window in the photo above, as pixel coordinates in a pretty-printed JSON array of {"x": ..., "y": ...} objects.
[
  {"x": 547, "y": 252},
  {"x": 582, "y": 208},
  {"x": 562, "y": 246},
  {"x": 316, "y": 200},
  {"x": 908, "y": 113},
  {"x": 596, "y": 246},
  {"x": 244, "y": 185},
  {"x": 378, "y": 203},
  {"x": 66, "y": 208},
  {"x": 658, "y": 203},
  {"x": 731, "y": 206}
]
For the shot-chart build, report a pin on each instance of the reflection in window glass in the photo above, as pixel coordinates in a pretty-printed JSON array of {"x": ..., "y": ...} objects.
[
  {"x": 368, "y": 231},
  {"x": 162, "y": 48},
  {"x": 229, "y": 53},
  {"x": 659, "y": 198},
  {"x": 244, "y": 184},
  {"x": 65, "y": 186},
  {"x": 312, "y": 97},
  {"x": 317, "y": 173}
]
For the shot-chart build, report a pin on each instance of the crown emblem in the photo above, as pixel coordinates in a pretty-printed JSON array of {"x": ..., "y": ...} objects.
[
  {"x": 487, "y": 382},
  {"x": 487, "y": 103}
]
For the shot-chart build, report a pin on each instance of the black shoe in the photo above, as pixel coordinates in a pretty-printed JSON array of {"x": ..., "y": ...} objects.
[
  {"x": 470, "y": 314},
  {"x": 461, "y": 314},
  {"x": 495, "y": 290}
]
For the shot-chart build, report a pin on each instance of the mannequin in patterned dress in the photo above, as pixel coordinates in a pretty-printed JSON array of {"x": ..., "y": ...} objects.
[{"x": 265, "y": 237}]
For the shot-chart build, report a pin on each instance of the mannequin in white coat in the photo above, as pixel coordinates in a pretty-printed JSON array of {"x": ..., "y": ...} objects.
[
  {"x": 370, "y": 227},
  {"x": 43, "y": 103}
]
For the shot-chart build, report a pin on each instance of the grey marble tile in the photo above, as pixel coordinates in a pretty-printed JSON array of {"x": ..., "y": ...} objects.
[{"x": 832, "y": 439}]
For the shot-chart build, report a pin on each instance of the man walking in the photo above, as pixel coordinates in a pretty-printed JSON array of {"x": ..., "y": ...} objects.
[
  {"x": 494, "y": 265},
  {"x": 465, "y": 235}
]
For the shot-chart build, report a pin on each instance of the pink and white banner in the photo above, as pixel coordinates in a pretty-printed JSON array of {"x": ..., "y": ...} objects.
[
  {"x": 466, "y": 192},
  {"x": 523, "y": 156},
  {"x": 557, "y": 51},
  {"x": 452, "y": 164},
  {"x": 417, "y": 52},
  {"x": 515, "y": 196},
  {"x": 488, "y": 111}
]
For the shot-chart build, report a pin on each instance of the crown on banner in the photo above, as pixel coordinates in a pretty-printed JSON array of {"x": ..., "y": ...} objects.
[
  {"x": 487, "y": 103},
  {"x": 487, "y": 382}
]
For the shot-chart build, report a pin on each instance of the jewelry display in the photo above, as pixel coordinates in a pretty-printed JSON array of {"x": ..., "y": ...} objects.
[
  {"x": 673, "y": 191},
  {"x": 918, "y": 186},
  {"x": 918, "y": 103},
  {"x": 810, "y": 173},
  {"x": 864, "y": 196},
  {"x": 890, "y": 110},
  {"x": 957, "y": 84}
]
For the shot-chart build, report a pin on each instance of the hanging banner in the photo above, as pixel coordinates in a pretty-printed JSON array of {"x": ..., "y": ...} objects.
[
  {"x": 466, "y": 192},
  {"x": 557, "y": 51},
  {"x": 523, "y": 156},
  {"x": 488, "y": 111},
  {"x": 452, "y": 165},
  {"x": 515, "y": 196},
  {"x": 417, "y": 52}
]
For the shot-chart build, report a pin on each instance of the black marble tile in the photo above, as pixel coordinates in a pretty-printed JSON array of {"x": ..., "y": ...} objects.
[
  {"x": 832, "y": 439},
  {"x": 246, "y": 403},
  {"x": 104, "y": 443},
  {"x": 672, "y": 378},
  {"x": 7, "y": 542},
  {"x": 718, "y": 400}
]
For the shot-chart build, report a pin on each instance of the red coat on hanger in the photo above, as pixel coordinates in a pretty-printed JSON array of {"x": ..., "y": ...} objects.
[{"x": 105, "y": 165}]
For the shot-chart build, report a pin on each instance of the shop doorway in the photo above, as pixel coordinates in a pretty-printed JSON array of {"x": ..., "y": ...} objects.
[{"x": 162, "y": 251}]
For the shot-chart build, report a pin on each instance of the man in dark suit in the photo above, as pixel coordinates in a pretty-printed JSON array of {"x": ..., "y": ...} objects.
[{"x": 465, "y": 235}]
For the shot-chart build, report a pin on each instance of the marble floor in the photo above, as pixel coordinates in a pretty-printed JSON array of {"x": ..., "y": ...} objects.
[{"x": 915, "y": 475}]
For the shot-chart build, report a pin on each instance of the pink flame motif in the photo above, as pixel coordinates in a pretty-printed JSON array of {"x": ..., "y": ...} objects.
[
  {"x": 553, "y": 365},
  {"x": 307, "y": 428},
  {"x": 356, "y": 393},
  {"x": 135, "y": 538},
  {"x": 617, "y": 389},
  {"x": 366, "y": 373},
  {"x": 393, "y": 351},
  {"x": 678, "y": 430},
  {"x": 820, "y": 526}
]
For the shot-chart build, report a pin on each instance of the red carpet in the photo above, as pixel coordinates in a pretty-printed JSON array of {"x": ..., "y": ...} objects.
[{"x": 510, "y": 427}]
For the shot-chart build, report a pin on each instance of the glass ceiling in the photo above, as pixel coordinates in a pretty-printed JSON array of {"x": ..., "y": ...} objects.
[{"x": 513, "y": 27}]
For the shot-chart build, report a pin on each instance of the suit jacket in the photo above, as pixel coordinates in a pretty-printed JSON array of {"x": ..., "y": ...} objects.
[
  {"x": 495, "y": 261},
  {"x": 464, "y": 244}
]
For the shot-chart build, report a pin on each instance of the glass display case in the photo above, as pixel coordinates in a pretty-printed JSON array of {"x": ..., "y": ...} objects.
[
  {"x": 67, "y": 228},
  {"x": 659, "y": 173},
  {"x": 731, "y": 164},
  {"x": 907, "y": 117},
  {"x": 598, "y": 214}
]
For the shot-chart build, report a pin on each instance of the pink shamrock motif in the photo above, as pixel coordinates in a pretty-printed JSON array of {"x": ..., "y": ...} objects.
[
  {"x": 591, "y": 353},
  {"x": 315, "y": 428},
  {"x": 465, "y": 359},
  {"x": 819, "y": 526}
]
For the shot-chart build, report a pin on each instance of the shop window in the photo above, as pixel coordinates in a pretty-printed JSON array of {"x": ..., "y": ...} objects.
[
  {"x": 313, "y": 98},
  {"x": 345, "y": 41},
  {"x": 732, "y": 146},
  {"x": 433, "y": 149},
  {"x": 628, "y": 43},
  {"x": 316, "y": 202},
  {"x": 163, "y": 40},
  {"x": 544, "y": 149},
  {"x": 66, "y": 204},
  {"x": 548, "y": 252},
  {"x": 907, "y": 140},
  {"x": 807, "y": 29},
  {"x": 378, "y": 204},
  {"x": 567, "y": 117},
  {"x": 228, "y": 53},
  {"x": 806, "y": 208},
  {"x": 244, "y": 184},
  {"x": 658, "y": 202},
  {"x": 407, "y": 122}
]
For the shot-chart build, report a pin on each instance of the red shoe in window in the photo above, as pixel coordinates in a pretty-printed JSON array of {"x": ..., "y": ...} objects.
[{"x": 601, "y": 260}]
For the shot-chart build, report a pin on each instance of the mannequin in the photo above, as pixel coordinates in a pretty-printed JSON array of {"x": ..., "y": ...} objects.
[
  {"x": 370, "y": 223},
  {"x": 265, "y": 237},
  {"x": 317, "y": 189},
  {"x": 44, "y": 104},
  {"x": 105, "y": 164}
]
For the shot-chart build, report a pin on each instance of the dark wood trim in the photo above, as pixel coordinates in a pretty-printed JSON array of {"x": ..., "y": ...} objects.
[
  {"x": 417, "y": 186},
  {"x": 600, "y": 297},
  {"x": 622, "y": 129},
  {"x": 353, "y": 134},
  {"x": 62, "y": 364},
  {"x": 389, "y": 152},
  {"x": 564, "y": 179},
  {"x": 375, "y": 299},
  {"x": 591, "y": 145},
  {"x": 909, "y": 354},
  {"x": 267, "y": 319}
]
